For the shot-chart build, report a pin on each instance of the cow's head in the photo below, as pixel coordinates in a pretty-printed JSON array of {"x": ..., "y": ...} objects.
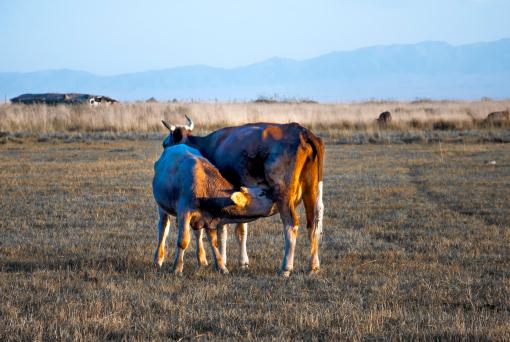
[{"x": 178, "y": 133}]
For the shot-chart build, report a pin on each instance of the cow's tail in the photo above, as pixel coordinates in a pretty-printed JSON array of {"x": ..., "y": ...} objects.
[{"x": 318, "y": 159}]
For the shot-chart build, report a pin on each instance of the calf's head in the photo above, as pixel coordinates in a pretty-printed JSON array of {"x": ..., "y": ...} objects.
[
  {"x": 252, "y": 202},
  {"x": 178, "y": 133}
]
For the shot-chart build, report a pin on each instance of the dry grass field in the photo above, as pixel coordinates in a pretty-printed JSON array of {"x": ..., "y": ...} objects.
[
  {"x": 331, "y": 119},
  {"x": 416, "y": 246}
]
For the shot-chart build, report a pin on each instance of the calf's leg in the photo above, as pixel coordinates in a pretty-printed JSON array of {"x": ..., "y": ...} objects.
[
  {"x": 201, "y": 257},
  {"x": 163, "y": 227},
  {"x": 218, "y": 260},
  {"x": 182, "y": 241}
]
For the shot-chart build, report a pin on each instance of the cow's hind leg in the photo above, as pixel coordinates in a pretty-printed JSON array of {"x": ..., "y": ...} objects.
[
  {"x": 286, "y": 195},
  {"x": 163, "y": 227},
  {"x": 218, "y": 260},
  {"x": 182, "y": 241},
  {"x": 201, "y": 257},
  {"x": 285, "y": 200},
  {"x": 290, "y": 224},
  {"x": 242, "y": 236},
  {"x": 312, "y": 199}
]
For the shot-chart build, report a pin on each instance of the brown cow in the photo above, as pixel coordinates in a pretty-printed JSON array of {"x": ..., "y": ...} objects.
[
  {"x": 498, "y": 116},
  {"x": 384, "y": 118},
  {"x": 286, "y": 160}
]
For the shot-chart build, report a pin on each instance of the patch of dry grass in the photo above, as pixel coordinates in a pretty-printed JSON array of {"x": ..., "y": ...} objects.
[
  {"x": 416, "y": 246},
  {"x": 327, "y": 118}
]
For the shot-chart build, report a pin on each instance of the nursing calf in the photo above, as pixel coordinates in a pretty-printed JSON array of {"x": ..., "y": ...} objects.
[
  {"x": 188, "y": 186},
  {"x": 285, "y": 160}
]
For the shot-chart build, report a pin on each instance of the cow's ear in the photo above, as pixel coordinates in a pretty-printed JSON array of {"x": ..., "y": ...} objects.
[{"x": 239, "y": 199}]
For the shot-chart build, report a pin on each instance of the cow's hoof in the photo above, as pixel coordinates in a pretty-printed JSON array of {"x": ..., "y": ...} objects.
[
  {"x": 177, "y": 272},
  {"x": 244, "y": 266},
  {"x": 313, "y": 271},
  {"x": 223, "y": 270},
  {"x": 203, "y": 263}
]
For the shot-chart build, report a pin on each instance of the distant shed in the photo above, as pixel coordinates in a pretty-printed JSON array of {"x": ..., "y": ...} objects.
[{"x": 57, "y": 98}]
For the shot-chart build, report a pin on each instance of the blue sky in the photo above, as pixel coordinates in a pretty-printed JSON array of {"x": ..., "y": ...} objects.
[{"x": 110, "y": 37}]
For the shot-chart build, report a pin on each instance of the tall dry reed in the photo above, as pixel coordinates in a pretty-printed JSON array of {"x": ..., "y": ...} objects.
[{"x": 146, "y": 117}]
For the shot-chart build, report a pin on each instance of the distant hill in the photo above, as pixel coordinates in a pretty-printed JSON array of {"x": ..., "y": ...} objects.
[{"x": 429, "y": 69}]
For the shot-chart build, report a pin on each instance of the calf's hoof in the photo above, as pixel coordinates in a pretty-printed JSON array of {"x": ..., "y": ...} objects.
[
  {"x": 157, "y": 265},
  {"x": 285, "y": 274}
]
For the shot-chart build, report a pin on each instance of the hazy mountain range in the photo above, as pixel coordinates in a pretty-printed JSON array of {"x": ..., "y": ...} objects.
[{"x": 429, "y": 69}]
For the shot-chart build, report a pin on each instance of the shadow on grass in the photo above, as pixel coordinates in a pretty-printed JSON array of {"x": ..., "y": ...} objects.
[{"x": 121, "y": 265}]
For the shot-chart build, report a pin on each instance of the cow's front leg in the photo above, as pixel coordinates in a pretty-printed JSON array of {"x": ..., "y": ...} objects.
[
  {"x": 163, "y": 227},
  {"x": 242, "y": 236},
  {"x": 218, "y": 260},
  {"x": 223, "y": 232},
  {"x": 201, "y": 257}
]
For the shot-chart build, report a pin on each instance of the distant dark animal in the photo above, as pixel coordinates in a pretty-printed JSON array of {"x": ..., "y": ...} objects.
[
  {"x": 56, "y": 98},
  {"x": 188, "y": 186},
  {"x": 285, "y": 160},
  {"x": 384, "y": 118},
  {"x": 498, "y": 116}
]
